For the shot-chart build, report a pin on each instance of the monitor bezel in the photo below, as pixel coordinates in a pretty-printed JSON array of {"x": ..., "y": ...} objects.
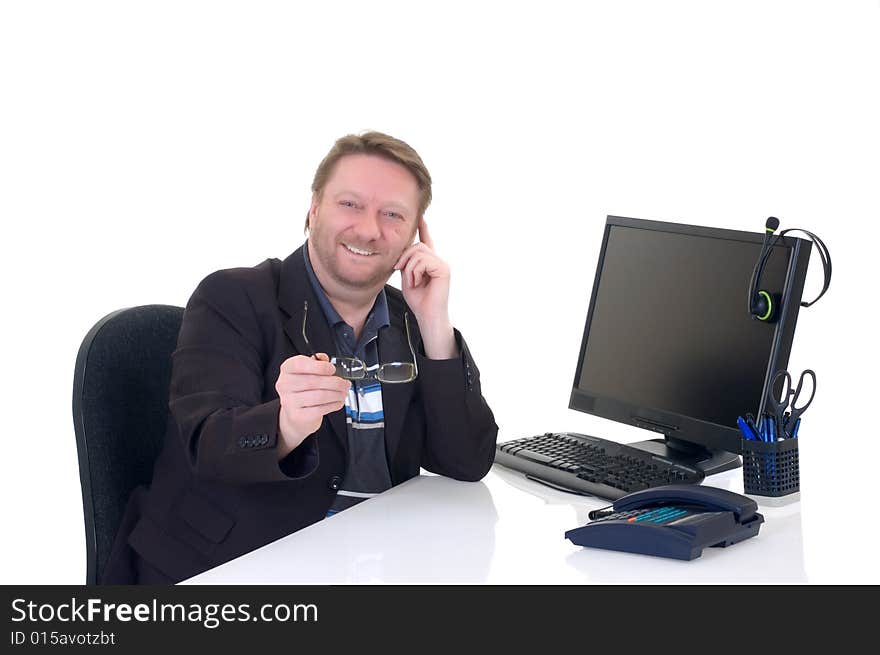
[{"x": 712, "y": 436}]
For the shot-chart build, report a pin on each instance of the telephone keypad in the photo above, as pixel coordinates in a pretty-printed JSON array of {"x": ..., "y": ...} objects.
[{"x": 654, "y": 515}]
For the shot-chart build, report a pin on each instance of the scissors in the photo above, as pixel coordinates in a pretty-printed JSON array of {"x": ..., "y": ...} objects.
[{"x": 785, "y": 410}]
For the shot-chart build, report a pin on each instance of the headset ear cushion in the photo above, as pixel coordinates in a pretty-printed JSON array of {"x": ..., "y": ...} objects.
[{"x": 762, "y": 306}]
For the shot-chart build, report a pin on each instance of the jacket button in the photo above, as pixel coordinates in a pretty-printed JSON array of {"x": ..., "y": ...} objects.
[{"x": 334, "y": 482}]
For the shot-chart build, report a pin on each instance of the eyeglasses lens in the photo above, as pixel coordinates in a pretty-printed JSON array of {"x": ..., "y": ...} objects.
[
  {"x": 349, "y": 368},
  {"x": 396, "y": 372}
]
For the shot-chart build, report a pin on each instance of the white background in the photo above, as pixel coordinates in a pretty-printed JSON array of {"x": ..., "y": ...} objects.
[{"x": 144, "y": 145}]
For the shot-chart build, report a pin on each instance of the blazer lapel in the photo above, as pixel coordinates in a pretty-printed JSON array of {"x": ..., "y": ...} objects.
[
  {"x": 393, "y": 347},
  {"x": 294, "y": 291}
]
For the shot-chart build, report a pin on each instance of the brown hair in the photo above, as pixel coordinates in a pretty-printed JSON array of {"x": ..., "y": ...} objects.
[{"x": 379, "y": 145}]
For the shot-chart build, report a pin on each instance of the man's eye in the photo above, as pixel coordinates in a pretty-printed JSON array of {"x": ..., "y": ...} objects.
[
  {"x": 394, "y": 215},
  {"x": 348, "y": 203}
]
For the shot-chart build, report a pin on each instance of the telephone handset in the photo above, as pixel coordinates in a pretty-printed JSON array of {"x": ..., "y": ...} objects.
[
  {"x": 711, "y": 498},
  {"x": 676, "y": 520}
]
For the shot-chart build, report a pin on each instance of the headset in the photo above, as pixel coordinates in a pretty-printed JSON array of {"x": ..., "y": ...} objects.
[{"x": 763, "y": 305}]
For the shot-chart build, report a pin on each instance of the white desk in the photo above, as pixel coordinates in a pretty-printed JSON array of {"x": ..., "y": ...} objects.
[{"x": 502, "y": 530}]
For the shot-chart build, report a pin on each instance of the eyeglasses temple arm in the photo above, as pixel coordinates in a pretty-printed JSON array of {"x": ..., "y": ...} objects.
[
  {"x": 305, "y": 338},
  {"x": 409, "y": 341}
]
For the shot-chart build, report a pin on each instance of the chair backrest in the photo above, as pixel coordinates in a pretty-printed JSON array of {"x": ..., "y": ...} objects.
[{"x": 120, "y": 408}]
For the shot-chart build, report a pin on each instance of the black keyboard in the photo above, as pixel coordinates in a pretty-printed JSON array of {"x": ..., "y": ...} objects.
[{"x": 588, "y": 465}]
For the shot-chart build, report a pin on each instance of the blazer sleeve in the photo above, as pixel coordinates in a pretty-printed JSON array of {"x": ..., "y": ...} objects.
[
  {"x": 225, "y": 418},
  {"x": 460, "y": 427}
]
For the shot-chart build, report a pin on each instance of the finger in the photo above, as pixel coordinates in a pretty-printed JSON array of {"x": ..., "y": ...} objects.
[
  {"x": 305, "y": 364},
  {"x": 300, "y": 364},
  {"x": 294, "y": 382},
  {"x": 423, "y": 267},
  {"x": 414, "y": 263},
  {"x": 313, "y": 398},
  {"x": 424, "y": 234},
  {"x": 404, "y": 258},
  {"x": 409, "y": 270},
  {"x": 421, "y": 274},
  {"x": 334, "y": 383},
  {"x": 409, "y": 253},
  {"x": 316, "y": 412}
]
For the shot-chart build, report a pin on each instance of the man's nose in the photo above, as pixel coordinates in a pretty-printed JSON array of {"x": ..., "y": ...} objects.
[{"x": 369, "y": 226}]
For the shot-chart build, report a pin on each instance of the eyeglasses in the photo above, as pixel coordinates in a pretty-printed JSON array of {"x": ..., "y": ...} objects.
[{"x": 353, "y": 368}]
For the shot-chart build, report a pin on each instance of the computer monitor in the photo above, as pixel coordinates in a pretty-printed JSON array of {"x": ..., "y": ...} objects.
[{"x": 669, "y": 344}]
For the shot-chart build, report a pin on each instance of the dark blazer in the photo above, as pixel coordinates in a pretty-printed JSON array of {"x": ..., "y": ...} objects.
[{"x": 218, "y": 489}]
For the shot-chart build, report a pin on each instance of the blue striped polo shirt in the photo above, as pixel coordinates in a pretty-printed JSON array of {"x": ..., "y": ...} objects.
[{"x": 367, "y": 468}]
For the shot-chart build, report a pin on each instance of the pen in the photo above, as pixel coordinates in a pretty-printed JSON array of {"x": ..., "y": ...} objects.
[
  {"x": 794, "y": 430},
  {"x": 750, "y": 421},
  {"x": 768, "y": 429},
  {"x": 746, "y": 429}
]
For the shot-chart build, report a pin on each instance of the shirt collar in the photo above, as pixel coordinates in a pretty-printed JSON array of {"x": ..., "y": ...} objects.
[{"x": 378, "y": 316}]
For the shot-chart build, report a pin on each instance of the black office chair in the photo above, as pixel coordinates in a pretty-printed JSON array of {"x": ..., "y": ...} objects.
[{"x": 120, "y": 406}]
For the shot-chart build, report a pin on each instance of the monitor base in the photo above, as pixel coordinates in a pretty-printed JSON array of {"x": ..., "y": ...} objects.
[{"x": 708, "y": 461}]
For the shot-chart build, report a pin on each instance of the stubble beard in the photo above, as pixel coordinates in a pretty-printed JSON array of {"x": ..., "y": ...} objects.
[
  {"x": 378, "y": 279},
  {"x": 329, "y": 263}
]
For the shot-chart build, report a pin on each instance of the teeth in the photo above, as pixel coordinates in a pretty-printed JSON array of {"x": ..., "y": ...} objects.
[{"x": 358, "y": 251}]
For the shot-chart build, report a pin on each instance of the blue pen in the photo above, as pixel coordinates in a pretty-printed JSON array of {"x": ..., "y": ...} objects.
[
  {"x": 794, "y": 430},
  {"x": 753, "y": 429},
  {"x": 745, "y": 429},
  {"x": 750, "y": 421}
]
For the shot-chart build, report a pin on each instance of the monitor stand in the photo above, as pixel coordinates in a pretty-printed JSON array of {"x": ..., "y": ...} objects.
[{"x": 690, "y": 454}]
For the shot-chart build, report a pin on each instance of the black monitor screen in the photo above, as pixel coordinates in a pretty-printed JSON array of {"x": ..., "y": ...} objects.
[{"x": 669, "y": 328}]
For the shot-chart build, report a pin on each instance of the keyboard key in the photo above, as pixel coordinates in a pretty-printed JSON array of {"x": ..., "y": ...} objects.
[{"x": 533, "y": 456}]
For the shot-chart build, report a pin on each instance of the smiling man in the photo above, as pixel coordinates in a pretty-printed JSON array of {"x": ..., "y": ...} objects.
[{"x": 302, "y": 387}]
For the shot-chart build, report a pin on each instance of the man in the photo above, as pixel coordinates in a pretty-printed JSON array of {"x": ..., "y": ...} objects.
[{"x": 265, "y": 434}]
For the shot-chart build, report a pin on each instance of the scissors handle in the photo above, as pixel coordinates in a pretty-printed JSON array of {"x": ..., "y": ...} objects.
[
  {"x": 797, "y": 410},
  {"x": 778, "y": 405}
]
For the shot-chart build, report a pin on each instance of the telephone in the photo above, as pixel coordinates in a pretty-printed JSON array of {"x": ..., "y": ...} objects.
[{"x": 676, "y": 520}]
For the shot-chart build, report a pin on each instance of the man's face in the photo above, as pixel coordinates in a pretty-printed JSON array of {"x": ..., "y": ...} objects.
[{"x": 364, "y": 220}]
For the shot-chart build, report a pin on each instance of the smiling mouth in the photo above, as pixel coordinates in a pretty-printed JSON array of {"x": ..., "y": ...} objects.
[{"x": 358, "y": 251}]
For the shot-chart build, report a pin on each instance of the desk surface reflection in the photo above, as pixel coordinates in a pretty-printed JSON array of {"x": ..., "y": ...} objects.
[{"x": 504, "y": 529}]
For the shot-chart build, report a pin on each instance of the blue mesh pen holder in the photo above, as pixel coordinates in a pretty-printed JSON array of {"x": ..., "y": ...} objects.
[{"x": 771, "y": 468}]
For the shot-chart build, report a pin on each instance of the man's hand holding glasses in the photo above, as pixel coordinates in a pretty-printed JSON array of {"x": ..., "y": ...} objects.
[{"x": 308, "y": 388}]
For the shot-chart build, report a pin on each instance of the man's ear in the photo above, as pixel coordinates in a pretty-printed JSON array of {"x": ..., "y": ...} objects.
[{"x": 313, "y": 210}]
